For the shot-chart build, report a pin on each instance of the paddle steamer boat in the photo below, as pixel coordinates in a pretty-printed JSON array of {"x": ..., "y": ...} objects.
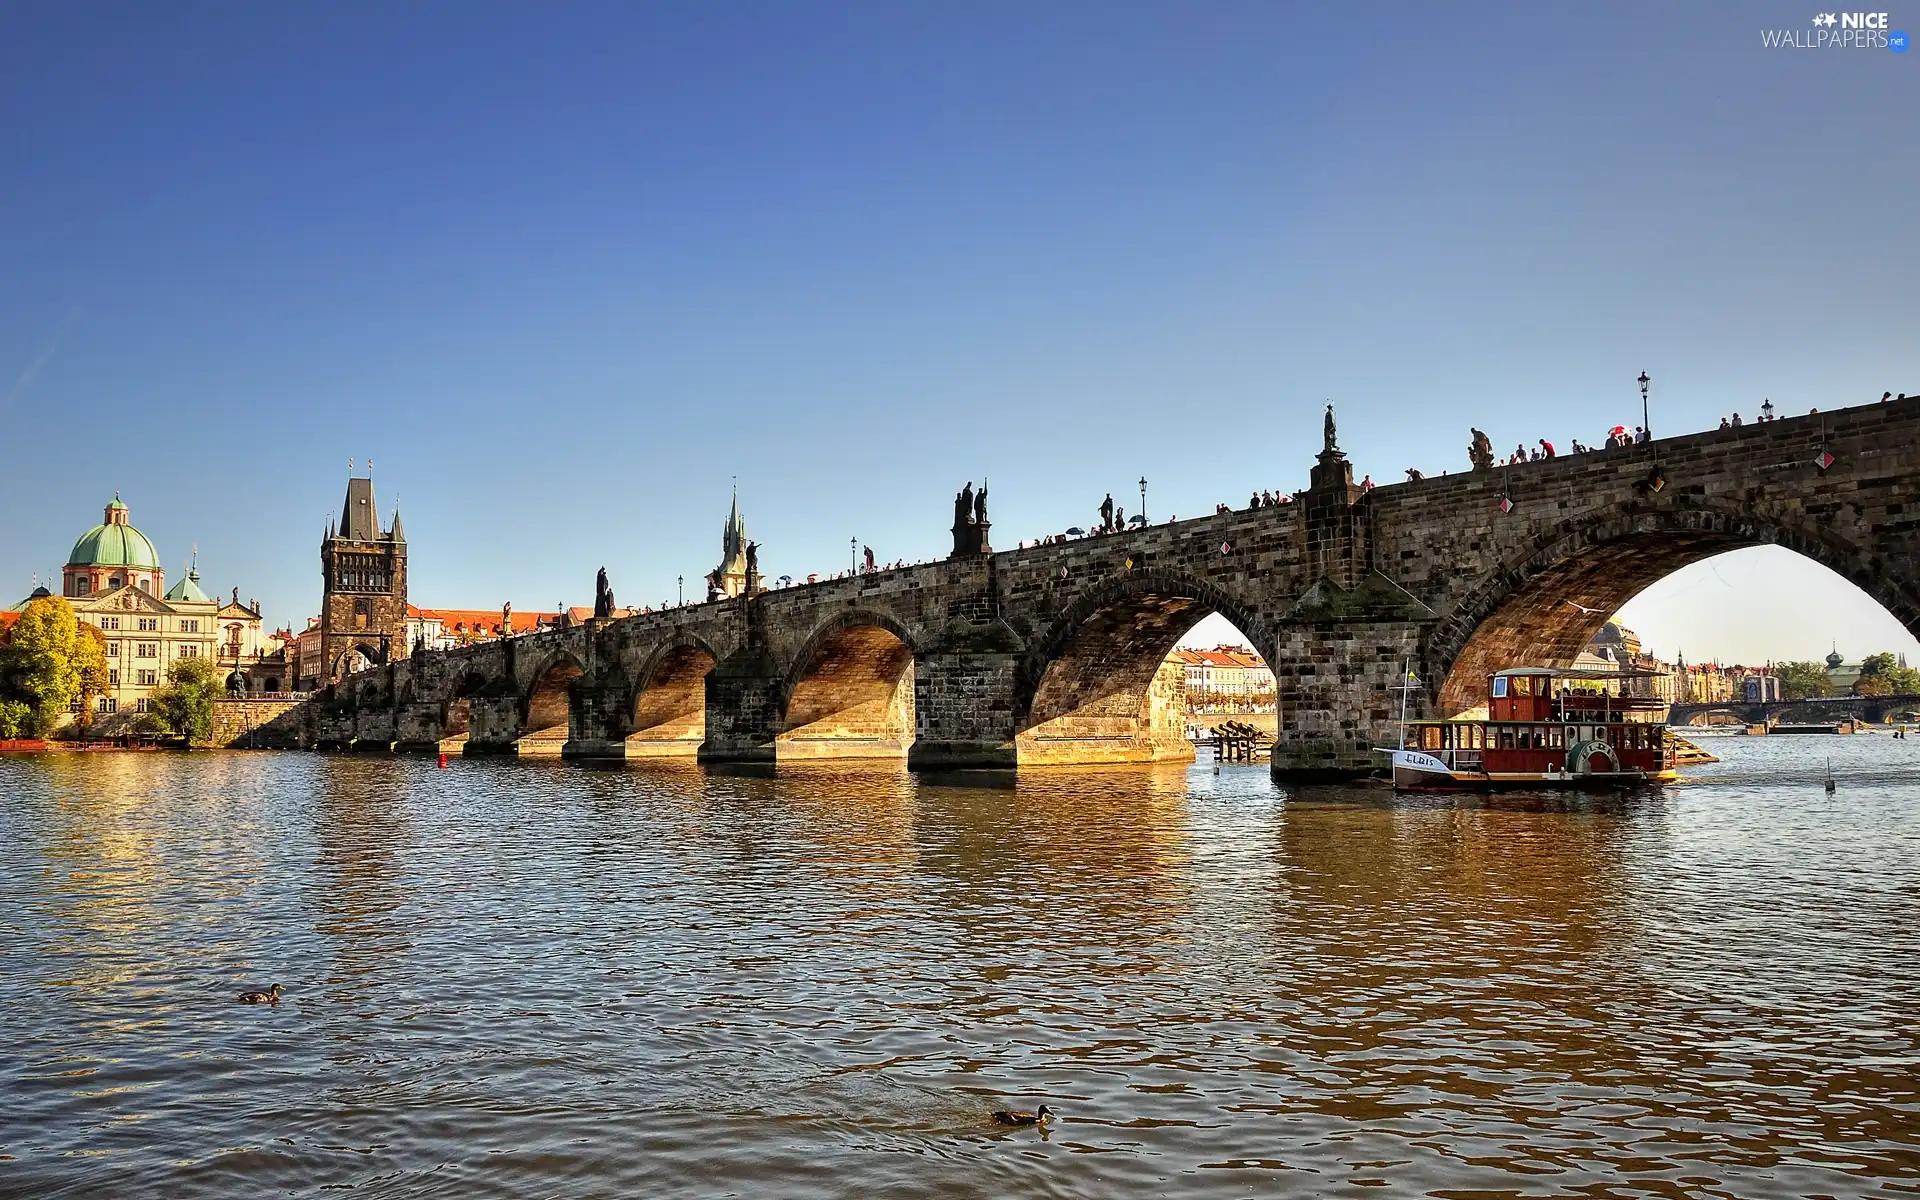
[{"x": 1541, "y": 733}]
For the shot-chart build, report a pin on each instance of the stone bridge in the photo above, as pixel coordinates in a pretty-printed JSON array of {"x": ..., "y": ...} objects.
[
  {"x": 1872, "y": 709},
  {"x": 1056, "y": 654}
]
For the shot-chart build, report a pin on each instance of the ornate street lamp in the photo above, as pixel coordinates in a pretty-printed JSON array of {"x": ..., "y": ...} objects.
[
  {"x": 1143, "y": 497},
  {"x": 853, "y": 554},
  {"x": 1645, "y": 424},
  {"x": 683, "y": 591},
  {"x": 1766, "y": 411}
]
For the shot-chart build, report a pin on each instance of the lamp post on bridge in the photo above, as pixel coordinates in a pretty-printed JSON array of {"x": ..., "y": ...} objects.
[
  {"x": 683, "y": 591},
  {"x": 1143, "y": 498},
  {"x": 853, "y": 555},
  {"x": 1645, "y": 423}
]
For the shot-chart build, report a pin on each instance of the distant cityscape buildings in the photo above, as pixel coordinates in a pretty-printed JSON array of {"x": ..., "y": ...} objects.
[{"x": 1226, "y": 677}]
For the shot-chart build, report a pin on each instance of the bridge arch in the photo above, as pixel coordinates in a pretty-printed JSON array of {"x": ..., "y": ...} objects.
[
  {"x": 547, "y": 703},
  {"x": 359, "y": 657},
  {"x": 848, "y": 692},
  {"x": 456, "y": 706},
  {"x": 1545, "y": 605},
  {"x": 669, "y": 716},
  {"x": 1096, "y": 686}
]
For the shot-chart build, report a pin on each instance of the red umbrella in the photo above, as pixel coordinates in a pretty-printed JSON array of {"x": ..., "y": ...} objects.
[{"x": 1617, "y": 430}]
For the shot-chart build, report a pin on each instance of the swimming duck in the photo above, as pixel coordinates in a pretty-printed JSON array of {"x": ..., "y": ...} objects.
[
  {"x": 270, "y": 996},
  {"x": 1013, "y": 1116}
]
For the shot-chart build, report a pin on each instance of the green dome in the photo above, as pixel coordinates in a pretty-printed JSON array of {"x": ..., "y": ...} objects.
[{"x": 114, "y": 544}]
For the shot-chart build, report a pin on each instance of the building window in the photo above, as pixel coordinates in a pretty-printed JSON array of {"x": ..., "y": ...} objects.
[
  {"x": 113, "y": 678},
  {"x": 146, "y": 650},
  {"x": 106, "y": 704},
  {"x": 189, "y": 625},
  {"x": 82, "y": 586},
  {"x": 117, "y": 581},
  {"x": 75, "y": 706},
  {"x": 189, "y": 651},
  {"x": 113, "y": 647},
  {"x": 141, "y": 705},
  {"x": 149, "y": 624},
  {"x": 147, "y": 678},
  {"x": 109, "y": 622}
]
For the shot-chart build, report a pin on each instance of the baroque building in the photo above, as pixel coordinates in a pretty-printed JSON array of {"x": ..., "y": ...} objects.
[
  {"x": 363, "y": 608},
  {"x": 113, "y": 581}
]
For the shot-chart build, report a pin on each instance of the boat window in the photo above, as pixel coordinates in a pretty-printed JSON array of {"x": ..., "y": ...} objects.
[
  {"x": 1553, "y": 738},
  {"x": 1476, "y": 734},
  {"x": 1506, "y": 737},
  {"x": 1430, "y": 737},
  {"x": 1522, "y": 686}
]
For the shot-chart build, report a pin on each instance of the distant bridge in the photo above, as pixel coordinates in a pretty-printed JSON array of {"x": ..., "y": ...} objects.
[
  {"x": 1872, "y": 709},
  {"x": 1054, "y": 654}
]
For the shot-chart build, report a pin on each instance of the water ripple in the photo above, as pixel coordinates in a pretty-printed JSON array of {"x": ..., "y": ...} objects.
[{"x": 507, "y": 979}]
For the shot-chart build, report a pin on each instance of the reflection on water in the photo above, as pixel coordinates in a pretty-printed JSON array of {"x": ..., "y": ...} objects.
[{"x": 516, "y": 979}]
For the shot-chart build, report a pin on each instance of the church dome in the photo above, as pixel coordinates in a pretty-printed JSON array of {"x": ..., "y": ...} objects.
[
  {"x": 188, "y": 589},
  {"x": 114, "y": 543},
  {"x": 1834, "y": 660}
]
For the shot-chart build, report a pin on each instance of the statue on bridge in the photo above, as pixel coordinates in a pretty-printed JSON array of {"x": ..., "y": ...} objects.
[
  {"x": 753, "y": 568},
  {"x": 602, "y": 597},
  {"x": 1327, "y": 432},
  {"x": 970, "y": 522},
  {"x": 506, "y": 619},
  {"x": 1480, "y": 452}
]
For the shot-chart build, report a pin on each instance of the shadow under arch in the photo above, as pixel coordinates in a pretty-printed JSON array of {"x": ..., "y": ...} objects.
[
  {"x": 546, "y": 707},
  {"x": 456, "y": 710},
  {"x": 669, "y": 717},
  {"x": 1544, "y": 607},
  {"x": 849, "y": 690},
  {"x": 1097, "y": 686}
]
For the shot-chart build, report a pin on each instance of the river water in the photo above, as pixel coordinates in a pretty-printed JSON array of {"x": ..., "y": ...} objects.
[{"x": 540, "y": 979}]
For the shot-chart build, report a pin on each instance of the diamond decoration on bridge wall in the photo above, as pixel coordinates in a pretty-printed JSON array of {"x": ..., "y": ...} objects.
[
  {"x": 1823, "y": 460},
  {"x": 1506, "y": 505}
]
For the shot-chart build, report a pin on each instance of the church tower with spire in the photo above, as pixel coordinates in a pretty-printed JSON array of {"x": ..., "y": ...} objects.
[
  {"x": 730, "y": 577},
  {"x": 363, "y": 570}
]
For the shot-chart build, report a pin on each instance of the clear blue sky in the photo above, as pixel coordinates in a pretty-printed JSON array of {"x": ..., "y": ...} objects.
[{"x": 565, "y": 270}]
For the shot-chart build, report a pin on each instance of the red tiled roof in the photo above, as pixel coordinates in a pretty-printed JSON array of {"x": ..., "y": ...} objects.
[
  {"x": 482, "y": 620},
  {"x": 1222, "y": 656},
  {"x": 7, "y": 621}
]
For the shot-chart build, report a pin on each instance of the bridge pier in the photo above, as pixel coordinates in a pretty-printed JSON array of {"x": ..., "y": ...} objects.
[
  {"x": 598, "y": 719},
  {"x": 1337, "y": 697},
  {"x": 963, "y": 711},
  {"x": 745, "y": 702},
  {"x": 493, "y": 726},
  {"x": 417, "y": 729}
]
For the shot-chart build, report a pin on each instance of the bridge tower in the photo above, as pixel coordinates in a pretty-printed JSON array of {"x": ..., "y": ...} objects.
[{"x": 363, "y": 569}]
